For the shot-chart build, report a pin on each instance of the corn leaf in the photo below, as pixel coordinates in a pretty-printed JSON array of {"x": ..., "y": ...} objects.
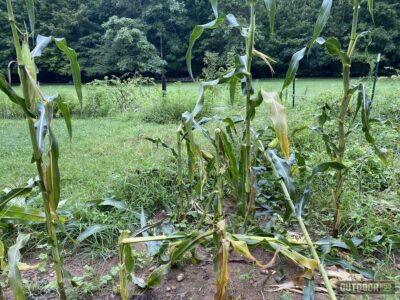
[
  {"x": 241, "y": 248},
  {"x": 329, "y": 261},
  {"x": 293, "y": 67},
  {"x": 64, "y": 109},
  {"x": 107, "y": 202},
  {"x": 21, "y": 215},
  {"x": 155, "y": 277},
  {"x": 52, "y": 173},
  {"x": 31, "y": 14},
  {"x": 303, "y": 200},
  {"x": 283, "y": 168},
  {"x": 325, "y": 167},
  {"x": 214, "y": 5},
  {"x": 365, "y": 104},
  {"x": 277, "y": 114},
  {"x": 14, "y": 275},
  {"x": 153, "y": 247},
  {"x": 12, "y": 95},
  {"x": 271, "y": 8},
  {"x": 371, "y": 8},
  {"x": 17, "y": 192},
  {"x": 322, "y": 19},
  {"x": 41, "y": 43},
  {"x": 75, "y": 67},
  {"x": 299, "y": 259},
  {"x": 223, "y": 271},
  {"x": 89, "y": 231},
  {"x": 199, "y": 29},
  {"x": 309, "y": 289},
  {"x": 323, "y": 16},
  {"x": 332, "y": 45}
]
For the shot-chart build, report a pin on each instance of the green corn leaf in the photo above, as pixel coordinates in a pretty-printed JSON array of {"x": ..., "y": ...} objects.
[
  {"x": 180, "y": 248},
  {"x": 17, "y": 192},
  {"x": 322, "y": 19},
  {"x": 198, "y": 31},
  {"x": 309, "y": 289},
  {"x": 329, "y": 261},
  {"x": 323, "y": 16},
  {"x": 89, "y": 231},
  {"x": 12, "y": 95},
  {"x": 371, "y": 8},
  {"x": 31, "y": 14},
  {"x": 283, "y": 168},
  {"x": 214, "y": 5},
  {"x": 365, "y": 104},
  {"x": 128, "y": 263},
  {"x": 64, "y": 109},
  {"x": 107, "y": 202},
  {"x": 325, "y": 167},
  {"x": 196, "y": 34},
  {"x": 14, "y": 275},
  {"x": 271, "y": 8},
  {"x": 293, "y": 67},
  {"x": 241, "y": 185},
  {"x": 21, "y": 215},
  {"x": 75, "y": 67},
  {"x": 230, "y": 157},
  {"x": 155, "y": 277},
  {"x": 153, "y": 247},
  {"x": 303, "y": 200},
  {"x": 52, "y": 173},
  {"x": 332, "y": 45}
]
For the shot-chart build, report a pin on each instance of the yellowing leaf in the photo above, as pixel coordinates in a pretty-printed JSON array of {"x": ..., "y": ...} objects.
[
  {"x": 299, "y": 259},
  {"x": 277, "y": 114},
  {"x": 242, "y": 248}
]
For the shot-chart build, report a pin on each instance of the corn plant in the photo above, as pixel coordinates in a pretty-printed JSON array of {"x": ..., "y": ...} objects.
[
  {"x": 336, "y": 149},
  {"x": 224, "y": 167},
  {"x": 39, "y": 116}
]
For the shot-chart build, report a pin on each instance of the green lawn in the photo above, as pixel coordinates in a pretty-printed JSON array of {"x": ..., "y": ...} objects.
[{"x": 104, "y": 148}]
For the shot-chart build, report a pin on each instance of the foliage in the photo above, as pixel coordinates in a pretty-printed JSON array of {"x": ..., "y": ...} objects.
[{"x": 165, "y": 26}]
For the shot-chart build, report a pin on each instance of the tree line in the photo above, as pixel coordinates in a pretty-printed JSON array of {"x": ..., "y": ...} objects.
[{"x": 151, "y": 36}]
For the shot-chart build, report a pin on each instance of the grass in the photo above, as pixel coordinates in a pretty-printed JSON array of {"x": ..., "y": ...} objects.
[{"x": 113, "y": 156}]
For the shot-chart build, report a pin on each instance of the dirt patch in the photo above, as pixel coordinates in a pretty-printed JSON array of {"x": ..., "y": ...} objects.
[{"x": 185, "y": 281}]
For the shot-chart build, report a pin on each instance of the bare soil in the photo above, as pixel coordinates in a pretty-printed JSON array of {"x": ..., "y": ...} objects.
[{"x": 184, "y": 282}]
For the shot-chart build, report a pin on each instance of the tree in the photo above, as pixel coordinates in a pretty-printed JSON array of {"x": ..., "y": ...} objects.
[{"x": 127, "y": 48}]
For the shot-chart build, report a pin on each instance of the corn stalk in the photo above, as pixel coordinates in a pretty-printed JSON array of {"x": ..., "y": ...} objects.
[
  {"x": 333, "y": 48},
  {"x": 303, "y": 228},
  {"x": 39, "y": 124},
  {"x": 249, "y": 56}
]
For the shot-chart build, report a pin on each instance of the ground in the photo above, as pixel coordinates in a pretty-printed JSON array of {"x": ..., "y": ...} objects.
[{"x": 109, "y": 157}]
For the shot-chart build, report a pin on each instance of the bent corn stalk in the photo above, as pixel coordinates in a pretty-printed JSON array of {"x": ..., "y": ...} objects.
[{"x": 303, "y": 228}]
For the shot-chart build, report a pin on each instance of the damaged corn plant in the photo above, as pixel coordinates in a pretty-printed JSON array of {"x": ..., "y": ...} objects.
[
  {"x": 345, "y": 114},
  {"x": 230, "y": 164},
  {"x": 38, "y": 109}
]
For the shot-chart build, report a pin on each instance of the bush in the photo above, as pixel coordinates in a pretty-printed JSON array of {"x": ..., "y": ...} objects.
[{"x": 170, "y": 109}]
